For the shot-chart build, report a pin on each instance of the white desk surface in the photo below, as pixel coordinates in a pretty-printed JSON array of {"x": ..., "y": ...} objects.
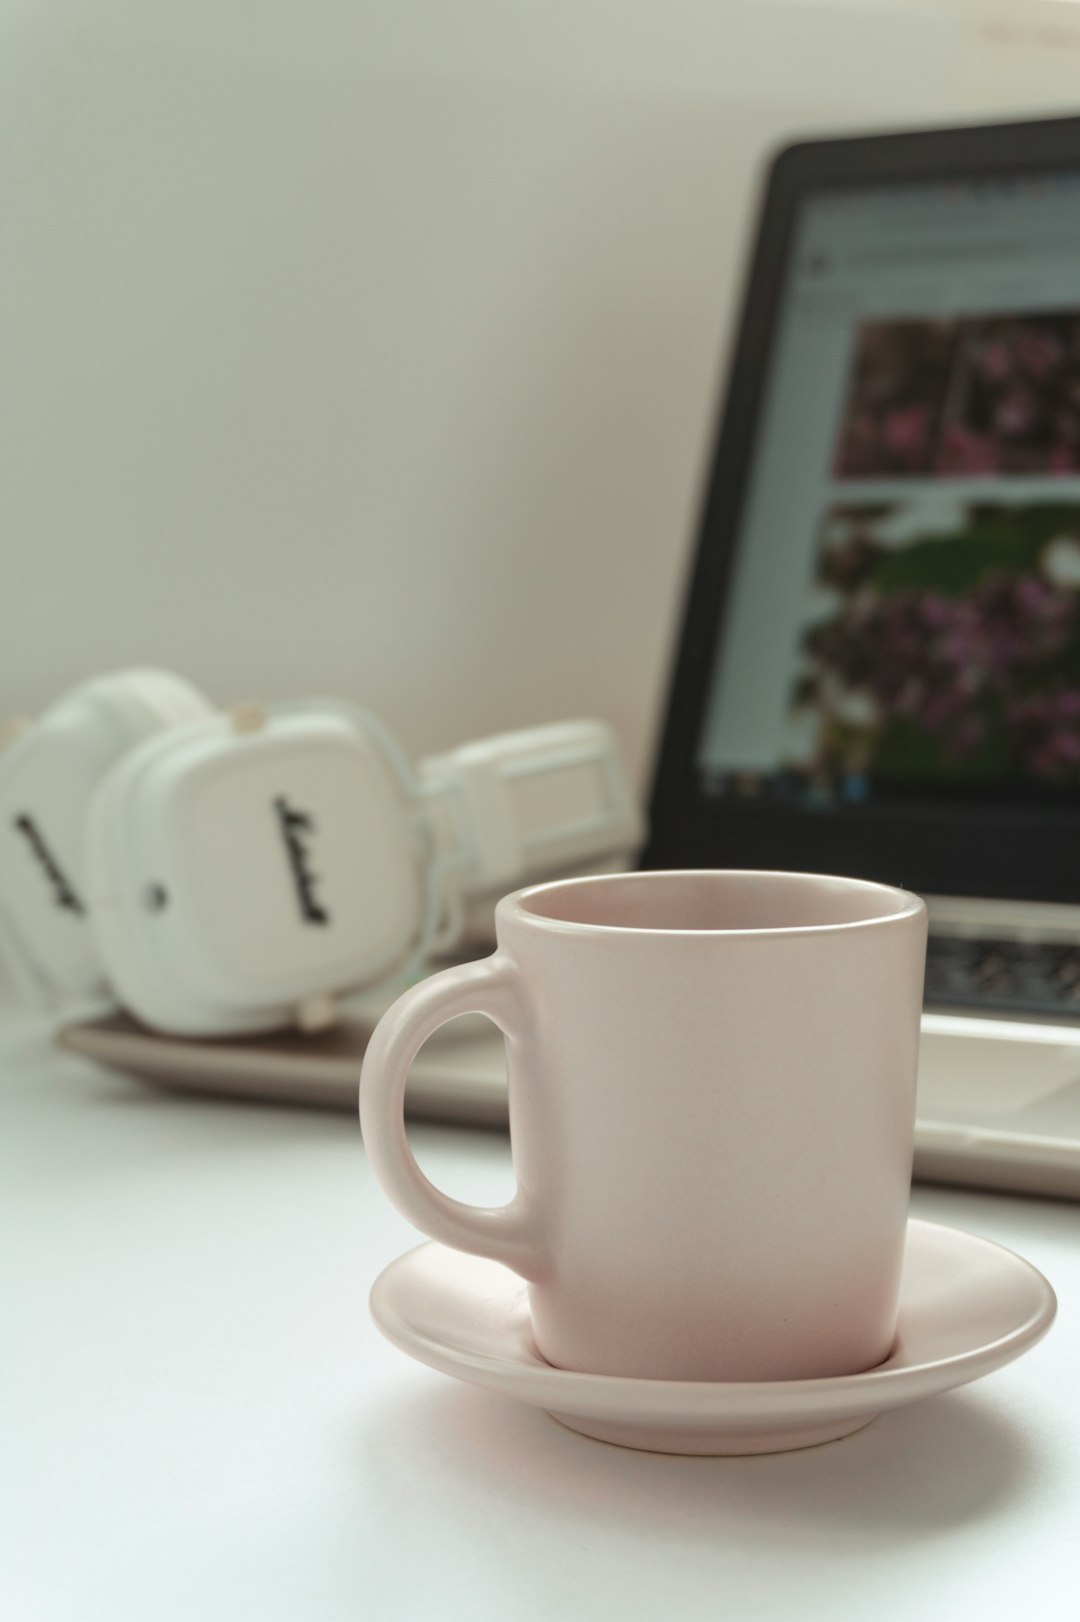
[{"x": 198, "y": 1420}]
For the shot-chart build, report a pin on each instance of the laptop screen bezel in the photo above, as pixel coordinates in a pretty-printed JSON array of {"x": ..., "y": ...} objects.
[{"x": 948, "y": 848}]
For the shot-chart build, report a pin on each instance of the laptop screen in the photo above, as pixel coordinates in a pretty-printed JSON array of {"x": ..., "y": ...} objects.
[{"x": 903, "y": 618}]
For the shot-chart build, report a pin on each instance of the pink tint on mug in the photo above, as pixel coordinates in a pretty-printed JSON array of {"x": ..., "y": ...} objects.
[{"x": 712, "y": 1098}]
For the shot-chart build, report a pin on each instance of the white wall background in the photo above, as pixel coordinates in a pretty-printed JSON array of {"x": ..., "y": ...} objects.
[{"x": 370, "y": 346}]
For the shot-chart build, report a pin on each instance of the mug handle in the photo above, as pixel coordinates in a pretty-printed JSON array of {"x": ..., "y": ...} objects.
[{"x": 505, "y": 1233}]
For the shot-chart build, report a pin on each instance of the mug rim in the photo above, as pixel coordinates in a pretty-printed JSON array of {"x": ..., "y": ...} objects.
[{"x": 516, "y": 907}]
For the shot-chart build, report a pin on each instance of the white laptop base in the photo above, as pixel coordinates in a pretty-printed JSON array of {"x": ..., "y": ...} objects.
[{"x": 999, "y": 1104}]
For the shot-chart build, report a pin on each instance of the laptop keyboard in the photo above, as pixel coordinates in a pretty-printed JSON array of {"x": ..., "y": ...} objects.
[{"x": 1004, "y": 976}]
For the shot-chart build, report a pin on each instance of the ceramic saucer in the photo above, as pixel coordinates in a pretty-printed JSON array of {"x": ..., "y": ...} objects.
[{"x": 966, "y": 1308}]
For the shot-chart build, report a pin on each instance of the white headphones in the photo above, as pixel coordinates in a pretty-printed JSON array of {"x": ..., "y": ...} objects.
[{"x": 234, "y": 871}]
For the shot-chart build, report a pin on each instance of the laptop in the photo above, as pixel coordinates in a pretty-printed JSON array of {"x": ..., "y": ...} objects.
[
  {"x": 879, "y": 666},
  {"x": 878, "y": 671}
]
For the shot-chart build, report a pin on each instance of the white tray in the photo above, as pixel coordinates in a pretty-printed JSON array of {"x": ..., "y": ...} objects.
[{"x": 999, "y": 1104}]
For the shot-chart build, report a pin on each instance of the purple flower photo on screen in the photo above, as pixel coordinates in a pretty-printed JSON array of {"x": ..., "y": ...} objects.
[
  {"x": 1014, "y": 401},
  {"x": 977, "y": 396},
  {"x": 896, "y": 394},
  {"x": 945, "y": 656}
]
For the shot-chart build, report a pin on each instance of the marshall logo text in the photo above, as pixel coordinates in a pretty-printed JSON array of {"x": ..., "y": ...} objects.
[
  {"x": 63, "y": 894},
  {"x": 296, "y": 829}
]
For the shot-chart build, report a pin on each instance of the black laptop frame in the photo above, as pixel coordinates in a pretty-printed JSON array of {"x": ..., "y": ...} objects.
[{"x": 938, "y": 847}]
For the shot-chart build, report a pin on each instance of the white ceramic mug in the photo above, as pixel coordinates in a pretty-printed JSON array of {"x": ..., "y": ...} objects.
[{"x": 712, "y": 1100}]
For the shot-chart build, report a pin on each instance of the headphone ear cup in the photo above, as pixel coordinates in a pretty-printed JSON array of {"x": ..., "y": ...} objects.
[
  {"x": 244, "y": 869},
  {"x": 49, "y": 774}
]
